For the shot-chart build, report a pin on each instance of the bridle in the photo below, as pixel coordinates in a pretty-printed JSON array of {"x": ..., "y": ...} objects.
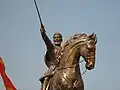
[{"x": 73, "y": 66}]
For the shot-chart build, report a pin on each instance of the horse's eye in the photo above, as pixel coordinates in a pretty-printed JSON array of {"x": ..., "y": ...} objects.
[
  {"x": 91, "y": 44},
  {"x": 88, "y": 46}
]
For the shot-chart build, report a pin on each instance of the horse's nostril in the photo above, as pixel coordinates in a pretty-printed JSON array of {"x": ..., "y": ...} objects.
[{"x": 89, "y": 66}]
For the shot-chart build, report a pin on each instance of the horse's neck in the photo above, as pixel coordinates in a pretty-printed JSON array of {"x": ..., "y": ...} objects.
[
  {"x": 70, "y": 57},
  {"x": 69, "y": 63}
]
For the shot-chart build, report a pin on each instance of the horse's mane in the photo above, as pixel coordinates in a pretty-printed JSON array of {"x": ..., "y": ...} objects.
[{"x": 80, "y": 36}]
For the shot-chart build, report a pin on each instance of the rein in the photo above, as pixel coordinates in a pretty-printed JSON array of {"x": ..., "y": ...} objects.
[{"x": 85, "y": 69}]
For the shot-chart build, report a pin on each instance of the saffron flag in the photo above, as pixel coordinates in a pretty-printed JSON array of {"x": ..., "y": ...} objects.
[
  {"x": 2, "y": 66},
  {"x": 7, "y": 82}
]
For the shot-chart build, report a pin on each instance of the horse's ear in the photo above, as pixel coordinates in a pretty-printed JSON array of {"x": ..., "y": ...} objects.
[
  {"x": 96, "y": 38},
  {"x": 91, "y": 35}
]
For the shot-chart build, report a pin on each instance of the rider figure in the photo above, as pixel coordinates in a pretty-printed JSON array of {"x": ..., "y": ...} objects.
[{"x": 52, "y": 56}]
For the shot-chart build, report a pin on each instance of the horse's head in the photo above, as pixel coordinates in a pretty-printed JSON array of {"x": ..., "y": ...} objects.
[
  {"x": 82, "y": 45},
  {"x": 88, "y": 49}
]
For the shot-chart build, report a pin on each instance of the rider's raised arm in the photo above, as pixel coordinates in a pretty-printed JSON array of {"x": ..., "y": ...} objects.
[{"x": 47, "y": 41}]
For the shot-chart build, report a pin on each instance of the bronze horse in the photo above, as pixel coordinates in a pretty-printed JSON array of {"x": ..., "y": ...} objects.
[{"x": 68, "y": 75}]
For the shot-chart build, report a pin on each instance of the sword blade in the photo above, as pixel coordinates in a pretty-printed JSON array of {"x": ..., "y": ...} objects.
[{"x": 38, "y": 12}]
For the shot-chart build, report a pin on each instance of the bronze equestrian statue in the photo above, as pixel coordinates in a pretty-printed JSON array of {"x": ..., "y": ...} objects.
[{"x": 63, "y": 61}]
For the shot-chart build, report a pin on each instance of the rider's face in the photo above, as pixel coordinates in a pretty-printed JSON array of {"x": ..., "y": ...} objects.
[{"x": 57, "y": 39}]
